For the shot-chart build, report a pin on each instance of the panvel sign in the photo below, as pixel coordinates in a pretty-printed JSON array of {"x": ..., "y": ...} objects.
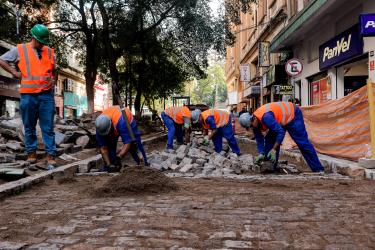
[
  {"x": 341, "y": 48},
  {"x": 367, "y": 22}
]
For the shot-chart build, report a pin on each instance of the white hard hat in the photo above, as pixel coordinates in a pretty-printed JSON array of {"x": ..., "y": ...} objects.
[
  {"x": 195, "y": 115},
  {"x": 103, "y": 124},
  {"x": 245, "y": 120}
]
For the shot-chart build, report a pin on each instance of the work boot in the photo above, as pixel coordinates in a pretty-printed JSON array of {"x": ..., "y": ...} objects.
[
  {"x": 50, "y": 160},
  {"x": 31, "y": 158}
]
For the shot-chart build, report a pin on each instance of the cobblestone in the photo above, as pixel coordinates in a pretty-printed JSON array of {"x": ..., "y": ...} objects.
[{"x": 258, "y": 212}]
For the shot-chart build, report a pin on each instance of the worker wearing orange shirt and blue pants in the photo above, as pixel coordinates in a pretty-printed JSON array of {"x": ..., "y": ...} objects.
[
  {"x": 110, "y": 125},
  {"x": 218, "y": 121},
  {"x": 178, "y": 122},
  {"x": 276, "y": 118}
]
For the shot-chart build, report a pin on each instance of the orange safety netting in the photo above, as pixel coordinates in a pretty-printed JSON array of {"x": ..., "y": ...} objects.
[{"x": 339, "y": 128}]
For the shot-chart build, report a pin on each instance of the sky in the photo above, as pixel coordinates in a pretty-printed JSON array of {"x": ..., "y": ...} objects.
[{"x": 215, "y": 4}]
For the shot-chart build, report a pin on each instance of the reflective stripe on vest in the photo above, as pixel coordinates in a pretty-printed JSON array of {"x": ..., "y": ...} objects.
[
  {"x": 221, "y": 117},
  {"x": 287, "y": 112},
  {"x": 177, "y": 114},
  {"x": 33, "y": 83}
]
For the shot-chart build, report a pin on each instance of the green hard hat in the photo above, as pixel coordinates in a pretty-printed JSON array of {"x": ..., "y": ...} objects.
[{"x": 40, "y": 33}]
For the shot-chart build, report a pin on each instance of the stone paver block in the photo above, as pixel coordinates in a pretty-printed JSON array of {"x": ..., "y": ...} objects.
[
  {"x": 186, "y": 168},
  {"x": 127, "y": 241},
  {"x": 63, "y": 240},
  {"x": 60, "y": 230},
  {"x": 367, "y": 163},
  {"x": 223, "y": 235},
  {"x": 182, "y": 234},
  {"x": 46, "y": 246},
  {"x": 238, "y": 244},
  {"x": 7, "y": 245},
  {"x": 151, "y": 233}
]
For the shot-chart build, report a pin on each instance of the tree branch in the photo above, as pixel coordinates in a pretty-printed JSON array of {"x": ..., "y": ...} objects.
[{"x": 163, "y": 16}]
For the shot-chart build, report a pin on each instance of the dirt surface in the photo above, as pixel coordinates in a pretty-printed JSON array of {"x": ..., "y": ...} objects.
[
  {"x": 136, "y": 181},
  {"x": 273, "y": 213}
]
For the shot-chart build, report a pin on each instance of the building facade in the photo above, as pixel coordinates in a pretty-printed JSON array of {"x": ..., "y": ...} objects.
[
  {"x": 323, "y": 34},
  {"x": 325, "y": 37},
  {"x": 9, "y": 96}
]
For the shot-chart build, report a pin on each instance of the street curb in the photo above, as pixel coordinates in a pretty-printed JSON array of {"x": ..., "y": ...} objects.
[
  {"x": 16, "y": 187},
  {"x": 331, "y": 164}
]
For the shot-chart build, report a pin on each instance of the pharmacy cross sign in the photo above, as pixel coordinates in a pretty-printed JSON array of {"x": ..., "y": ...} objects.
[{"x": 294, "y": 67}]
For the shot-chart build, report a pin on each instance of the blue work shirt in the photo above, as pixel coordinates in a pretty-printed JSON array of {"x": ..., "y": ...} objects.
[
  {"x": 210, "y": 121},
  {"x": 270, "y": 122},
  {"x": 122, "y": 131}
]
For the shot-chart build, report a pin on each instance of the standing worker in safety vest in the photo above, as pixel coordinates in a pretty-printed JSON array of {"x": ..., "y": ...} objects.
[
  {"x": 277, "y": 118},
  {"x": 110, "y": 125},
  {"x": 36, "y": 62},
  {"x": 178, "y": 122},
  {"x": 221, "y": 126}
]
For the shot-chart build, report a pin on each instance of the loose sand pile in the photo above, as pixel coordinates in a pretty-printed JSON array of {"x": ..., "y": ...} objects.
[{"x": 137, "y": 181}]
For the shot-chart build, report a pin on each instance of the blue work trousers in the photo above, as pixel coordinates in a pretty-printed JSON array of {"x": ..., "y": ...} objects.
[
  {"x": 112, "y": 146},
  {"x": 39, "y": 106},
  {"x": 174, "y": 129},
  {"x": 227, "y": 133},
  {"x": 297, "y": 131}
]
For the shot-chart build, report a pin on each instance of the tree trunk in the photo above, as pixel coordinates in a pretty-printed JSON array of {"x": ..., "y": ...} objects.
[
  {"x": 90, "y": 76},
  {"x": 137, "y": 102},
  {"x": 112, "y": 58}
]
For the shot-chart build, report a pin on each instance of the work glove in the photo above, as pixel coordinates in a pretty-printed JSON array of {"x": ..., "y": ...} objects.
[
  {"x": 259, "y": 159},
  {"x": 205, "y": 142},
  {"x": 272, "y": 155}
]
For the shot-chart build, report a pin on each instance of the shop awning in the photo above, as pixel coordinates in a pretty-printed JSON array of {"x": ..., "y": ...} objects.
[
  {"x": 287, "y": 34},
  {"x": 251, "y": 91}
]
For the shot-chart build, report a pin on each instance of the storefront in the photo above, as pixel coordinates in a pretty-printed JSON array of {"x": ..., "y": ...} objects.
[{"x": 343, "y": 56}]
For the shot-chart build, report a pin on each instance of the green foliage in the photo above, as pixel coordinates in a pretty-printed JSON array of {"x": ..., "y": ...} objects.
[
  {"x": 232, "y": 17},
  {"x": 203, "y": 91}
]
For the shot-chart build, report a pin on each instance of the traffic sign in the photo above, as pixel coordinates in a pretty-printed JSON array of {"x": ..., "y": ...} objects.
[{"x": 294, "y": 67}]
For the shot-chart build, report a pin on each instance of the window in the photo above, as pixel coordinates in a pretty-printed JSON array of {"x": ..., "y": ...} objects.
[{"x": 68, "y": 85}]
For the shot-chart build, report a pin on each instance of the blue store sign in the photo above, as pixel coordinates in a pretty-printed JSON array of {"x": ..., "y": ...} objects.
[
  {"x": 367, "y": 22},
  {"x": 341, "y": 48}
]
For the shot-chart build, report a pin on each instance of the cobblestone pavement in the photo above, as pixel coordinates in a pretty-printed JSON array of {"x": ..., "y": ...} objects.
[{"x": 271, "y": 213}]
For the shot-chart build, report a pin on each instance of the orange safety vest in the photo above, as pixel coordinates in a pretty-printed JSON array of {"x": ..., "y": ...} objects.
[
  {"x": 221, "y": 118},
  {"x": 283, "y": 111},
  {"x": 114, "y": 113},
  {"x": 37, "y": 74},
  {"x": 178, "y": 114}
]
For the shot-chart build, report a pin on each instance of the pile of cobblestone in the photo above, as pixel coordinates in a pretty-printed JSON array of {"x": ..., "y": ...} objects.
[
  {"x": 199, "y": 159},
  {"x": 71, "y": 136}
]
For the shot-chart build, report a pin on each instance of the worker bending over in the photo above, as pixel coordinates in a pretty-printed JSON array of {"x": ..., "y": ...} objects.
[
  {"x": 277, "y": 118},
  {"x": 178, "y": 122},
  {"x": 109, "y": 126},
  {"x": 221, "y": 126}
]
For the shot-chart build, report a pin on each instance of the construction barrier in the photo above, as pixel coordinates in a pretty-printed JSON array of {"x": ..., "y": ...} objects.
[{"x": 341, "y": 128}]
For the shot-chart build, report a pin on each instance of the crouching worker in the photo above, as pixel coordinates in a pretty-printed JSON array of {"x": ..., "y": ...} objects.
[
  {"x": 110, "y": 125},
  {"x": 221, "y": 126},
  {"x": 277, "y": 118},
  {"x": 178, "y": 122}
]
